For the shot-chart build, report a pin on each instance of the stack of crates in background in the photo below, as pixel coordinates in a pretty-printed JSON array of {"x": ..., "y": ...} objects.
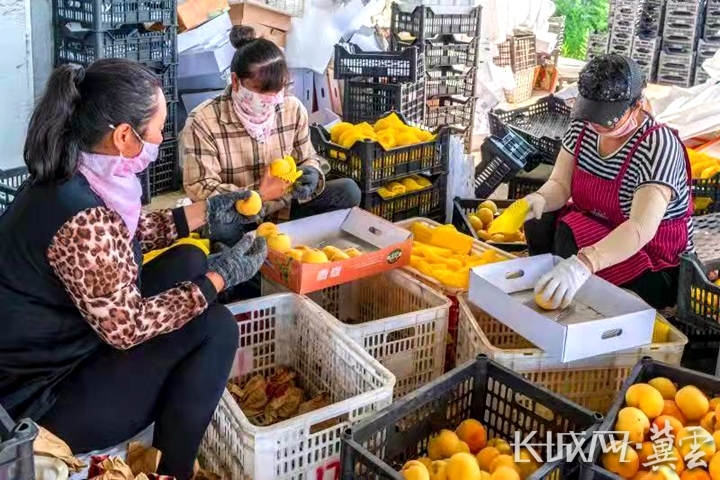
[
  {"x": 645, "y": 52},
  {"x": 625, "y": 25},
  {"x": 447, "y": 37},
  {"x": 681, "y": 31},
  {"x": 89, "y": 30},
  {"x": 597, "y": 44},
  {"x": 518, "y": 53},
  {"x": 710, "y": 41}
]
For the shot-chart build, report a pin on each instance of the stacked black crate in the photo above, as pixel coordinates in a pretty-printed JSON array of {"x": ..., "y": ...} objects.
[
  {"x": 709, "y": 44},
  {"x": 89, "y": 30},
  {"x": 647, "y": 42},
  {"x": 682, "y": 29},
  {"x": 597, "y": 44},
  {"x": 625, "y": 25}
]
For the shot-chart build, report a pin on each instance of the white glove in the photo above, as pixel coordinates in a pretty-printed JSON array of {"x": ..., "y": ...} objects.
[
  {"x": 559, "y": 286},
  {"x": 537, "y": 206}
]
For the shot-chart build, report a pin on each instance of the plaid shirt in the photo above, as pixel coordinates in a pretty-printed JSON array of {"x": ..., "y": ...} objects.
[{"x": 219, "y": 155}]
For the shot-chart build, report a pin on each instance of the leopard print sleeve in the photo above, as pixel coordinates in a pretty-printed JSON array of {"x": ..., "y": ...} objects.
[
  {"x": 92, "y": 256},
  {"x": 161, "y": 229}
]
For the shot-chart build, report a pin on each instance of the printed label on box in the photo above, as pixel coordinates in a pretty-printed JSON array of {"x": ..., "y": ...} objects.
[
  {"x": 335, "y": 272},
  {"x": 322, "y": 275}
]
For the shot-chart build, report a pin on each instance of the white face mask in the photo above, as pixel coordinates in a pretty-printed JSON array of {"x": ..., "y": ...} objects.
[{"x": 140, "y": 162}]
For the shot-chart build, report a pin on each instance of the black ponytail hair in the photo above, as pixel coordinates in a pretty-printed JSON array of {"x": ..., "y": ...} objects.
[
  {"x": 258, "y": 59},
  {"x": 77, "y": 109}
]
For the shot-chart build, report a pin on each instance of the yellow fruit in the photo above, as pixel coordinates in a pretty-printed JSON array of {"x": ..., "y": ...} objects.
[
  {"x": 484, "y": 475},
  {"x": 314, "y": 256},
  {"x": 424, "y": 135},
  {"x": 646, "y": 398},
  {"x": 484, "y": 235},
  {"x": 365, "y": 128},
  {"x": 443, "y": 445},
  {"x": 486, "y": 456},
  {"x": 505, "y": 473},
  {"x": 663, "y": 472},
  {"x": 295, "y": 254},
  {"x": 664, "y": 421},
  {"x": 692, "y": 403},
  {"x": 414, "y": 470},
  {"x": 695, "y": 474},
  {"x": 462, "y": 466},
  {"x": 266, "y": 229},
  {"x": 708, "y": 421},
  {"x": 490, "y": 205},
  {"x": 633, "y": 421},
  {"x": 438, "y": 470},
  {"x": 694, "y": 440},
  {"x": 386, "y": 138},
  {"x": 503, "y": 461},
  {"x": 503, "y": 447},
  {"x": 621, "y": 459},
  {"x": 473, "y": 434},
  {"x": 665, "y": 386},
  {"x": 550, "y": 304},
  {"x": 337, "y": 130},
  {"x": 279, "y": 242},
  {"x": 280, "y": 167},
  {"x": 353, "y": 252},
  {"x": 406, "y": 138},
  {"x": 710, "y": 172},
  {"x": 714, "y": 467},
  {"x": 485, "y": 215},
  {"x": 425, "y": 461},
  {"x": 672, "y": 410},
  {"x": 498, "y": 237},
  {"x": 475, "y": 222},
  {"x": 339, "y": 256},
  {"x": 251, "y": 206},
  {"x": 714, "y": 402},
  {"x": 528, "y": 464},
  {"x": 330, "y": 250}
]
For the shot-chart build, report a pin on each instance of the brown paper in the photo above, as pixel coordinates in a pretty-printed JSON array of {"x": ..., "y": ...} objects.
[
  {"x": 48, "y": 445},
  {"x": 142, "y": 459},
  {"x": 114, "y": 469}
]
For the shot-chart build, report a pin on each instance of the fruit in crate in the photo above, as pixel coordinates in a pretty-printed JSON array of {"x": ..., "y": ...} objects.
[
  {"x": 414, "y": 470},
  {"x": 250, "y": 206},
  {"x": 482, "y": 221},
  {"x": 410, "y": 184},
  {"x": 267, "y": 229},
  {"x": 280, "y": 242},
  {"x": 703, "y": 167},
  {"x": 314, "y": 256},
  {"x": 390, "y": 131}
]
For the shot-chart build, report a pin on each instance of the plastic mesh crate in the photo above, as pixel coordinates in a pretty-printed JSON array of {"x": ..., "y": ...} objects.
[
  {"x": 464, "y": 206},
  {"x": 707, "y": 190},
  {"x": 16, "y": 448},
  {"x": 402, "y": 66},
  {"x": 593, "y": 383},
  {"x": 450, "y": 81},
  {"x": 543, "y": 124},
  {"x": 367, "y": 101},
  {"x": 525, "y": 183},
  {"x": 170, "y": 131},
  {"x": 10, "y": 182},
  {"x": 517, "y": 52},
  {"x": 289, "y": 330},
  {"x": 130, "y": 42},
  {"x": 507, "y": 404},
  {"x": 371, "y": 166},
  {"x": 100, "y": 15},
  {"x": 428, "y": 202},
  {"x": 169, "y": 79},
  {"x": 445, "y": 51},
  {"x": 422, "y": 23},
  {"x": 701, "y": 351},
  {"x": 165, "y": 171},
  {"x": 501, "y": 159},
  {"x": 524, "y": 83},
  {"x": 397, "y": 319},
  {"x": 451, "y": 111}
]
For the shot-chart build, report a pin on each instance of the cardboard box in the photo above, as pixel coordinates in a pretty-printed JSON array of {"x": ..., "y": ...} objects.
[
  {"x": 303, "y": 86},
  {"x": 327, "y": 92},
  {"x": 268, "y": 22},
  {"x": 206, "y": 66},
  {"x": 602, "y": 319},
  {"x": 384, "y": 246},
  {"x": 194, "y": 13},
  {"x": 218, "y": 26}
]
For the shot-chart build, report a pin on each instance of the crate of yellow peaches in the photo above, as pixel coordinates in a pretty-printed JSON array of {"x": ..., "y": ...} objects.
[
  {"x": 664, "y": 425},
  {"x": 469, "y": 424},
  {"x": 376, "y": 154},
  {"x": 475, "y": 217},
  {"x": 705, "y": 171}
]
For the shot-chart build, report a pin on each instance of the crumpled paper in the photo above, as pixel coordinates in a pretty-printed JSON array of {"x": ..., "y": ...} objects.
[
  {"x": 113, "y": 468},
  {"x": 48, "y": 445}
]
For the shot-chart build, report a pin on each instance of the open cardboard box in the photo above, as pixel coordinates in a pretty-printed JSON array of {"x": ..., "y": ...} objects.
[
  {"x": 384, "y": 246},
  {"x": 268, "y": 22},
  {"x": 603, "y": 318}
]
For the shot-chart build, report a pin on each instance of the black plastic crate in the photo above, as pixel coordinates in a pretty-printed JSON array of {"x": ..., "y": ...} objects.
[
  {"x": 423, "y": 23},
  {"x": 517, "y": 52},
  {"x": 707, "y": 188},
  {"x": 644, "y": 371},
  {"x": 462, "y": 207},
  {"x": 17, "y": 461},
  {"x": 169, "y": 79},
  {"x": 520, "y": 186},
  {"x": 144, "y": 178},
  {"x": 165, "y": 171},
  {"x": 401, "y": 66},
  {"x": 451, "y": 111},
  {"x": 701, "y": 351},
  {"x": 543, "y": 124},
  {"x": 698, "y": 297},
  {"x": 503, "y": 401},
  {"x": 102, "y": 15},
  {"x": 366, "y": 101},
  {"x": 10, "y": 182},
  {"x": 448, "y": 81},
  {"x": 445, "y": 51},
  {"x": 501, "y": 159},
  {"x": 371, "y": 166},
  {"x": 426, "y": 203},
  {"x": 133, "y": 43}
]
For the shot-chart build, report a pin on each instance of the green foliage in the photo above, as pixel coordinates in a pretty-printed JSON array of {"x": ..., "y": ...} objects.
[{"x": 581, "y": 18}]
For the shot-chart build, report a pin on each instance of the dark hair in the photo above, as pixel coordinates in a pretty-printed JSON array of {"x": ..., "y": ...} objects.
[
  {"x": 77, "y": 109},
  {"x": 258, "y": 59}
]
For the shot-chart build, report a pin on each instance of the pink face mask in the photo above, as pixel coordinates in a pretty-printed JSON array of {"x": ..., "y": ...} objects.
[
  {"x": 256, "y": 111},
  {"x": 114, "y": 179},
  {"x": 619, "y": 131}
]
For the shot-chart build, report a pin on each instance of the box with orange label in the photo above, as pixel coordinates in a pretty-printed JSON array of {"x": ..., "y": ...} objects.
[{"x": 335, "y": 248}]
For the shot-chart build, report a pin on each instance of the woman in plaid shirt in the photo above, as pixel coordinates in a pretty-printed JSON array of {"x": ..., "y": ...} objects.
[{"x": 228, "y": 141}]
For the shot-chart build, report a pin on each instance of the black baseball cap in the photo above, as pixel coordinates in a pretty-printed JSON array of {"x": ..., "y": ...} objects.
[{"x": 608, "y": 85}]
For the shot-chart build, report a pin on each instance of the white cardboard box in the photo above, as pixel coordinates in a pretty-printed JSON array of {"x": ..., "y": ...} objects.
[
  {"x": 206, "y": 66},
  {"x": 220, "y": 25},
  {"x": 602, "y": 319}
]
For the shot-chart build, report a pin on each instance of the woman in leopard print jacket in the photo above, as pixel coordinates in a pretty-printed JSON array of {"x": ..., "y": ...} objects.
[{"x": 94, "y": 346}]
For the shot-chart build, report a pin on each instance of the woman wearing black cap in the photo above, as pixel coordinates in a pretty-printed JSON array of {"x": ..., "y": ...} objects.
[{"x": 617, "y": 203}]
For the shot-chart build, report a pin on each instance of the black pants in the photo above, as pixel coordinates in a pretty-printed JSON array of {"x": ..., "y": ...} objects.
[
  {"x": 173, "y": 380},
  {"x": 547, "y": 235}
]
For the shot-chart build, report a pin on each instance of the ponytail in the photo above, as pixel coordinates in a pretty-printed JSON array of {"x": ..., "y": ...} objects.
[{"x": 51, "y": 150}]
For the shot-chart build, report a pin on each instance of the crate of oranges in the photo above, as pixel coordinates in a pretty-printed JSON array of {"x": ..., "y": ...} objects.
[{"x": 473, "y": 216}]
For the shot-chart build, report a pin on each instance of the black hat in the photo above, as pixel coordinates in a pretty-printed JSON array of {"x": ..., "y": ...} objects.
[{"x": 608, "y": 85}]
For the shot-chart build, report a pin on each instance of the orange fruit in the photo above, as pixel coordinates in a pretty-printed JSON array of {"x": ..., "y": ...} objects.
[
  {"x": 646, "y": 398},
  {"x": 504, "y": 473},
  {"x": 444, "y": 445},
  {"x": 633, "y": 421},
  {"x": 640, "y": 475},
  {"x": 664, "y": 421},
  {"x": 665, "y": 386},
  {"x": 692, "y": 403},
  {"x": 695, "y": 439},
  {"x": 647, "y": 449},
  {"x": 485, "y": 215},
  {"x": 502, "y": 446},
  {"x": 438, "y": 470},
  {"x": 503, "y": 461},
  {"x": 250, "y": 206},
  {"x": 671, "y": 409},
  {"x": 714, "y": 402},
  {"x": 708, "y": 421},
  {"x": 414, "y": 470},
  {"x": 473, "y": 433},
  {"x": 716, "y": 437},
  {"x": 266, "y": 229},
  {"x": 695, "y": 474},
  {"x": 662, "y": 473},
  {"x": 714, "y": 467},
  {"x": 462, "y": 466},
  {"x": 528, "y": 464},
  {"x": 621, "y": 459},
  {"x": 486, "y": 456}
]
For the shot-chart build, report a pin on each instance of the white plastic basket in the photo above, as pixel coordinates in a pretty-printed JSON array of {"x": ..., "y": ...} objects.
[
  {"x": 396, "y": 318},
  {"x": 593, "y": 383},
  {"x": 289, "y": 330}
]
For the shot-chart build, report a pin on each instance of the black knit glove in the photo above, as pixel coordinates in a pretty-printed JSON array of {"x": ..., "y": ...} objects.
[
  {"x": 240, "y": 263},
  {"x": 224, "y": 223},
  {"x": 306, "y": 185}
]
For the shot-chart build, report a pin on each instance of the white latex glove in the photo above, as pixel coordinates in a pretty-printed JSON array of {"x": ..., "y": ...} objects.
[
  {"x": 537, "y": 206},
  {"x": 559, "y": 286}
]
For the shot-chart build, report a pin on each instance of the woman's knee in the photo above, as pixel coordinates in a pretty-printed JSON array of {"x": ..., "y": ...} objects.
[
  {"x": 349, "y": 194},
  {"x": 221, "y": 328},
  {"x": 192, "y": 258}
]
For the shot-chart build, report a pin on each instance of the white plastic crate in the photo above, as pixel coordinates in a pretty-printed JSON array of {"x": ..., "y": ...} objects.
[
  {"x": 396, "y": 318},
  {"x": 289, "y": 330},
  {"x": 592, "y": 383},
  {"x": 293, "y": 8}
]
